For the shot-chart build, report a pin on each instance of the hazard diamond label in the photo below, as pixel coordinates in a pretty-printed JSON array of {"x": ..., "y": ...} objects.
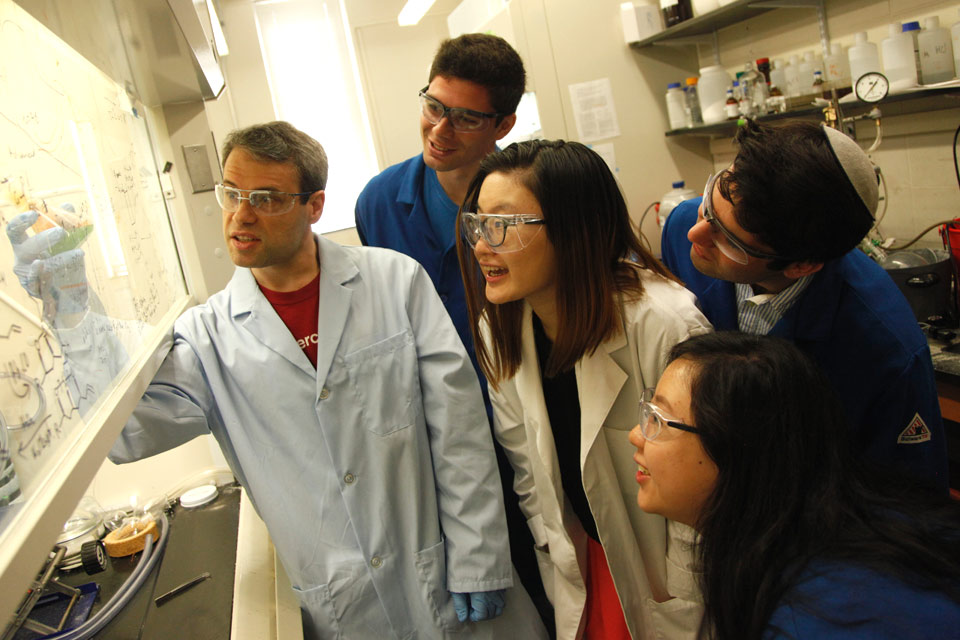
[{"x": 915, "y": 432}]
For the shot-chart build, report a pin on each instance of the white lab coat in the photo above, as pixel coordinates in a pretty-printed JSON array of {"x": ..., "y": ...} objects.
[
  {"x": 658, "y": 595},
  {"x": 374, "y": 472}
]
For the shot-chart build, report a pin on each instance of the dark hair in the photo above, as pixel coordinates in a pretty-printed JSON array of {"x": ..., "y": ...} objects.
[
  {"x": 280, "y": 141},
  {"x": 589, "y": 226},
  {"x": 789, "y": 488},
  {"x": 487, "y": 60},
  {"x": 788, "y": 188}
]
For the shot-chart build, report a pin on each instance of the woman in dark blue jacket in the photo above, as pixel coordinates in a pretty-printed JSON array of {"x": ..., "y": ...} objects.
[{"x": 744, "y": 440}]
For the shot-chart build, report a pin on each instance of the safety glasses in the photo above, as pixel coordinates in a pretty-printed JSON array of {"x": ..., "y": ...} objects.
[
  {"x": 263, "y": 202},
  {"x": 460, "y": 119},
  {"x": 654, "y": 422},
  {"x": 729, "y": 244},
  {"x": 502, "y": 233}
]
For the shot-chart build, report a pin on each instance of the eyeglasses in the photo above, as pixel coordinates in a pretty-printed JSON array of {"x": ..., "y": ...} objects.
[
  {"x": 264, "y": 202},
  {"x": 653, "y": 421},
  {"x": 729, "y": 244},
  {"x": 460, "y": 119},
  {"x": 495, "y": 229}
]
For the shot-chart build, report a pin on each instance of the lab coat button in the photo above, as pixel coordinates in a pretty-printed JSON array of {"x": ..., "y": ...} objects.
[
  {"x": 349, "y": 478},
  {"x": 376, "y": 562},
  {"x": 324, "y": 393}
]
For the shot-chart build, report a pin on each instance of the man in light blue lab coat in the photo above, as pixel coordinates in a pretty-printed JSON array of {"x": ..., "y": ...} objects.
[
  {"x": 771, "y": 248},
  {"x": 473, "y": 89},
  {"x": 346, "y": 405}
]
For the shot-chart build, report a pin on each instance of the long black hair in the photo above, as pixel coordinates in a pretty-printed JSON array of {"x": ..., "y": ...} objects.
[{"x": 790, "y": 490}]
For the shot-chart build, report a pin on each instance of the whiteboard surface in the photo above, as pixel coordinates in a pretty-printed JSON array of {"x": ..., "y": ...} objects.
[{"x": 74, "y": 145}]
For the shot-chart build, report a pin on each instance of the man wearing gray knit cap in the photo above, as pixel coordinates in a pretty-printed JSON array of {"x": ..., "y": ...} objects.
[{"x": 771, "y": 248}]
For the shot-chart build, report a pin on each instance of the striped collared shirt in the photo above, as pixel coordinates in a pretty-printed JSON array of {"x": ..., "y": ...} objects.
[{"x": 757, "y": 314}]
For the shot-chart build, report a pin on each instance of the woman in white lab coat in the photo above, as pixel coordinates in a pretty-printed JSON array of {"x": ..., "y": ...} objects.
[{"x": 573, "y": 318}]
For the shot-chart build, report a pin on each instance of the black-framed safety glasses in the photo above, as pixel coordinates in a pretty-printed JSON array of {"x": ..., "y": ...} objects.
[{"x": 654, "y": 422}]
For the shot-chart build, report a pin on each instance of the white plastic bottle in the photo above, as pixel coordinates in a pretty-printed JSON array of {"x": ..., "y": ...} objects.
[
  {"x": 676, "y": 112},
  {"x": 701, "y": 7},
  {"x": 913, "y": 28},
  {"x": 955, "y": 37},
  {"x": 936, "y": 52},
  {"x": 863, "y": 57},
  {"x": 792, "y": 73},
  {"x": 837, "y": 67},
  {"x": 778, "y": 75},
  {"x": 805, "y": 81},
  {"x": 712, "y": 91},
  {"x": 672, "y": 198},
  {"x": 898, "y": 60}
]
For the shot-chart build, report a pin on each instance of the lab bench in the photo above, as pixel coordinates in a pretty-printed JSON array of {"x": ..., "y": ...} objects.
[
  {"x": 946, "y": 365},
  {"x": 201, "y": 539}
]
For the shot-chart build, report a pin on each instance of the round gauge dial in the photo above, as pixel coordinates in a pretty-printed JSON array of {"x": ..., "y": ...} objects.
[{"x": 872, "y": 87}]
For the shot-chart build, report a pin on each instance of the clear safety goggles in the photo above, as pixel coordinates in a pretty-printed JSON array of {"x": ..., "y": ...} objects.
[
  {"x": 724, "y": 239},
  {"x": 654, "y": 422},
  {"x": 502, "y": 233},
  {"x": 263, "y": 202},
  {"x": 460, "y": 119}
]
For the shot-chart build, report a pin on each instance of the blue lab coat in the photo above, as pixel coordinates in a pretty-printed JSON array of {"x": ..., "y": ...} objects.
[
  {"x": 846, "y": 602},
  {"x": 374, "y": 472},
  {"x": 856, "y": 324}
]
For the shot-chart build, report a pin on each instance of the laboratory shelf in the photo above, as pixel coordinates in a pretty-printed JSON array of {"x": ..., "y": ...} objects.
[
  {"x": 923, "y": 100},
  {"x": 695, "y": 29}
]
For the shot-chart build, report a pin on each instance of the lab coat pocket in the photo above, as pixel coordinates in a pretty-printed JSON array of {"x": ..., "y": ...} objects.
[
  {"x": 317, "y": 612},
  {"x": 432, "y": 573},
  {"x": 385, "y": 378},
  {"x": 676, "y": 619}
]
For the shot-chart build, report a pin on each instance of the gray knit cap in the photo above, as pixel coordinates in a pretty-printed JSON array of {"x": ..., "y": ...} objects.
[{"x": 856, "y": 165}]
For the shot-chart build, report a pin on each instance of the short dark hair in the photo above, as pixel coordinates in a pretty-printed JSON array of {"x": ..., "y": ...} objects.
[
  {"x": 791, "y": 492},
  {"x": 589, "y": 226},
  {"x": 487, "y": 60},
  {"x": 280, "y": 141},
  {"x": 788, "y": 188}
]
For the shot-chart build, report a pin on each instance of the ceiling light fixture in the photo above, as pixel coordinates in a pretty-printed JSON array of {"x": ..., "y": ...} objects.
[{"x": 413, "y": 11}]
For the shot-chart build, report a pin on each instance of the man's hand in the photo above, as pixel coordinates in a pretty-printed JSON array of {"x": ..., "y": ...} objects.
[
  {"x": 479, "y": 605},
  {"x": 60, "y": 281}
]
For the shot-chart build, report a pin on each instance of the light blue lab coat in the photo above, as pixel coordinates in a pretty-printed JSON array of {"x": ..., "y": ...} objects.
[{"x": 374, "y": 473}]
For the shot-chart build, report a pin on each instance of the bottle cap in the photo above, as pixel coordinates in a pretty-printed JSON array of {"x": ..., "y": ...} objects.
[
  {"x": 673, "y": 85},
  {"x": 933, "y": 22},
  {"x": 911, "y": 26},
  {"x": 861, "y": 37},
  {"x": 198, "y": 496},
  {"x": 679, "y": 184},
  {"x": 763, "y": 61},
  {"x": 692, "y": 80}
]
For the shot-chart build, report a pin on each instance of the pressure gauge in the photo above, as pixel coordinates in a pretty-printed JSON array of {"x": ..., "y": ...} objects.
[{"x": 872, "y": 86}]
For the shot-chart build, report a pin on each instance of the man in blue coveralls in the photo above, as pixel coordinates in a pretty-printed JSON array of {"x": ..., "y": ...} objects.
[
  {"x": 771, "y": 249},
  {"x": 475, "y": 84}
]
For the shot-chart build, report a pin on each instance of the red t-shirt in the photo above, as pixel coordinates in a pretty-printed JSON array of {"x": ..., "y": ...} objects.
[{"x": 298, "y": 310}]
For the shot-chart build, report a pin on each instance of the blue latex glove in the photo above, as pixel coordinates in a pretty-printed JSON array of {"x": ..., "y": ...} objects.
[
  {"x": 60, "y": 281},
  {"x": 481, "y": 605}
]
